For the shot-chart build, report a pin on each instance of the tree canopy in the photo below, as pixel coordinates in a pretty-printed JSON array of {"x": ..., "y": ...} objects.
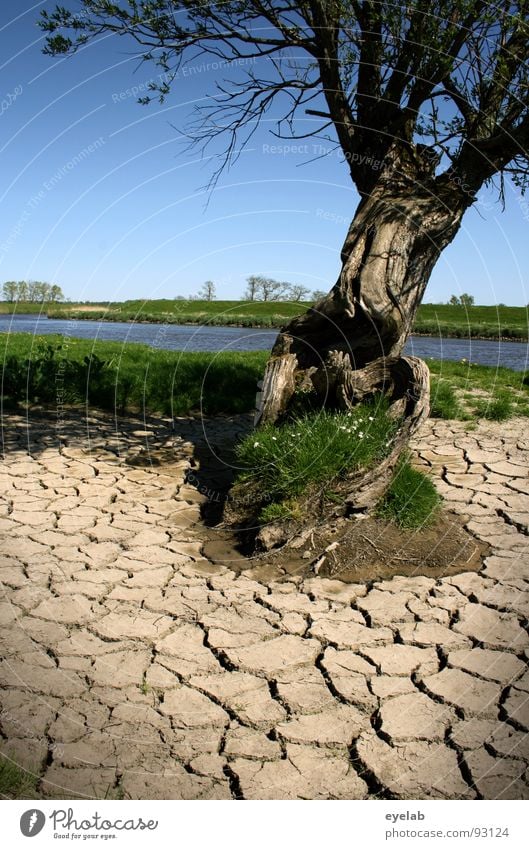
[
  {"x": 448, "y": 80},
  {"x": 32, "y": 290},
  {"x": 260, "y": 288}
]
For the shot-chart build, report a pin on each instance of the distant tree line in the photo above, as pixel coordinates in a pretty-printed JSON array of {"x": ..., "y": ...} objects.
[
  {"x": 267, "y": 289},
  {"x": 261, "y": 289},
  {"x": 32, "y": 291},
  {"x": 464, "y": 300}
]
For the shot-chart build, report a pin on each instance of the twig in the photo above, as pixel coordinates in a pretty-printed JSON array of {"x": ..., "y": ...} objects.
[{"x": 378, "y": 551}]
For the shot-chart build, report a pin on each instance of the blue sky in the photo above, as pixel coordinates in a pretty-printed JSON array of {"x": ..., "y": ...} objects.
[{"x": 99, "y": 194}]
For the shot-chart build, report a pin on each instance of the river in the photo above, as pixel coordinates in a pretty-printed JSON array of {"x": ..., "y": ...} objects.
[{"x": 174, "y": 337}]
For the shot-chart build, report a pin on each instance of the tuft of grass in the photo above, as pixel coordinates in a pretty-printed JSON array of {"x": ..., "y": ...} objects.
[
  {"x": 282, "y": 462},
  {"x": 15, "y": 782},
  {"x": 443, "y": 401},
  {"x": 116, "y": 793},
  {"x": 279, "y": 511},
  {"x": 497, "y": 409},
  {"x": 491, "y": 382},
  {"x": 411, "y": 500}
]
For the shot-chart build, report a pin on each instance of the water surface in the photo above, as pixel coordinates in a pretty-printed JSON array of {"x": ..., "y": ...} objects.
[{"x": 177, "y": 337}]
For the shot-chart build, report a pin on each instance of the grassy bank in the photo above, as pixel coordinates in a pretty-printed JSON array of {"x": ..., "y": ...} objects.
[
  {"x": 113, "y": 376},
  {"x": 213, "y": 313},
  {"x": 117, "y": 376},
  {"x": 36, "y": 308},
  {"x": 462, "y": 390},
  {"x": 486, "y": 322}
]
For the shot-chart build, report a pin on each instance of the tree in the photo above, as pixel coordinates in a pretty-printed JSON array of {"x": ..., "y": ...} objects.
[
  {"x": 265, "y": 289},
  {"x": 464, "y": 300},
  {"x": 318, "y": 294},
  {"x": 10, "y": 289},
  {"x": 251, "y": 288},
  {"x": 271, "y": 290},
  {"x": 207, "y": 291},
  {"x": 56, "y": 293},
  {"x": 22, "y": 290},
  {"x": 296, "y": 292},
  {"x": 38, "y": 291},
  {"x": 426, "y": 103}
]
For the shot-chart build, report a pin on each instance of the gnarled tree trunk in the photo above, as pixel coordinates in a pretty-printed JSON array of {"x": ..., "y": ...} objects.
[{"x": 351, "y": 341}]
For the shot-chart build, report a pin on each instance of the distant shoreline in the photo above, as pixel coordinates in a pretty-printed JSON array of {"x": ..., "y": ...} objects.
[
  {"x": 498, "y": 323},
  {"x": 448, "y": 335},
  {"x": 444, "y": 331},
  {"x": 88, "y": 315}
]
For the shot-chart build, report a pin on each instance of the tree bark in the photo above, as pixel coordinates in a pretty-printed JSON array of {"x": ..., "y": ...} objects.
[{"x": 338, "y": 348}]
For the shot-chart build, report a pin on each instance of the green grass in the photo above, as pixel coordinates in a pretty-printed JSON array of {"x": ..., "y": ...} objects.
[
  {"x": 121, "y": 377},
  {"x": 34, "y": 307},
  {"x": 488, "y": 322},
  {"x": 282, "y": 463},
  {"x": 26, "y": 308},
  {"x": 497, "y": 409},
  {"x": 281, "y": 510},
  {"x": 444, "y": 403},
  {"x": 213, "y": 313},
  {"x": 127, "y": 376},
  {"x": 15, "y": 782},
  {"x": 411, "y": 500},
  {"x": 466, "y": 382},
  {"x": 145, "y": 687}
]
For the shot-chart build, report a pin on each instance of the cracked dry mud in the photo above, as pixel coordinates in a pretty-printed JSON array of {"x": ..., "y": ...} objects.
[{"x": 132, "y": 667}]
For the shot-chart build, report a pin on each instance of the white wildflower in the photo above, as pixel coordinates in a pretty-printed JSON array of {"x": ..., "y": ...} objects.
[{"x": 256, "y": 445}]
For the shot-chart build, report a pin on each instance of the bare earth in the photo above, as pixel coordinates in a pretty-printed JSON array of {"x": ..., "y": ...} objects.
[{"x": 133, "y": 667}]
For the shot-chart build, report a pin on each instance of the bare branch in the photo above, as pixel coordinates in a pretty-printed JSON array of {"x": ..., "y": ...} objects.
[{"x": 453, "y": 75}]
